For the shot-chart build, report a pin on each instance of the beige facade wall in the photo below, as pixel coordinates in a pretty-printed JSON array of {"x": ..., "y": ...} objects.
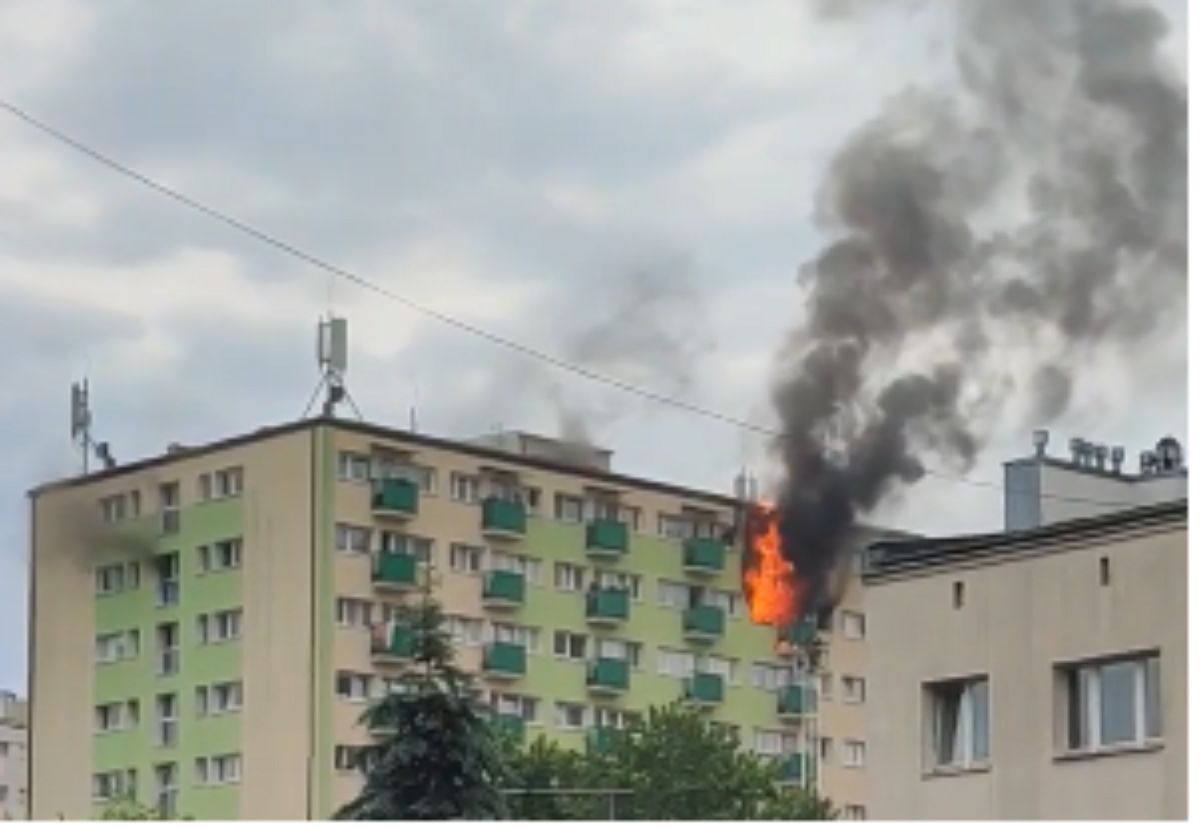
[
  {"x": 1022, "y": 614},
  {"x": 839, "y": 719},
  {"x": 14, "y": 803}
]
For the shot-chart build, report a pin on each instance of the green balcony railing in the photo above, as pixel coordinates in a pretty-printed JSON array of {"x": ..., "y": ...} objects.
[
  {"x": 607, "y": 605},
  {"x": 803, "y": 631},
  {"x": 501, "y": 587},
  {"x": 509, "y": 726},
  {"x": 704, "y": 689},
  {"x": 395, "y": 495},
  {"x": 599, "y": 739},
  {"x": 796, "y": 768},
  {"x": 703, "y": 623},
  {"x": 608, "y": 675},
  {"x": 401, "y": 645},
  {"x": 503, "y": 517},
  {"x": 606, "y": 537},
  {"x": 796, "y": 701},
  {"x": 504, "y": 658},
  {"x": 394, "y": 570},
  {"x": 703, "y": 555}
]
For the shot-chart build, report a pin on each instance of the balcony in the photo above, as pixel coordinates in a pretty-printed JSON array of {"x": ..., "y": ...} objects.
[
  {"x": 608, "y": 676},
  {"x": 503, "y": 519},
  {"x": 704, "y": 690},
  {"x": 795, "y": 702},
  {"x": 395, "y": 498},
  {"x": 599, "y": 739},
  {"x": 504, "y": 660},
  {"x": 796, "y": 769},
  {"x": 703, "y": 556},
  {"x": 607, "y": 606},
  {"x": 509, "y": 726},
  {"x": 703, "y": 624},
  {"x": 803, "y": 632},
  {"x": 607, "y": 539},
  {"x": 394, "y": 571},
  {"x": 399, "y": 645},
  {"x": 502, "y": 589}
]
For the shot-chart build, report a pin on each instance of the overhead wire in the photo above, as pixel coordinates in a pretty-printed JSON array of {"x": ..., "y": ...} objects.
[{"x": 497, "y": 339}]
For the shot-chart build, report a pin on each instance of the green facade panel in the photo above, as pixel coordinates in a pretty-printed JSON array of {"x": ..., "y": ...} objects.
[
  {"x": 703, "y": 622},
  {"x": 608, "y": 675}
]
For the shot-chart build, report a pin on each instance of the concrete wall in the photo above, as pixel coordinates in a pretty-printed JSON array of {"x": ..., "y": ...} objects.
[
  {"x": 838, "y": 719},
  {"x": 1020, "y": 617},
  {"x": 14, "y": 804}
]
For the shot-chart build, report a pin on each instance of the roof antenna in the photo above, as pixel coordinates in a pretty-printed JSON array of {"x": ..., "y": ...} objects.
[
  {"x": 412, "y": 410},
  {"x": 81, "y": 428},
  {"x": 333, "y": 347}
]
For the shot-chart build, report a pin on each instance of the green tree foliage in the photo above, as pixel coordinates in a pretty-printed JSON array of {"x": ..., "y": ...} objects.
[
  {"x": 129, "y": 809},
  {"x": 435, "y": 756},
  {"x": 673, "y": 765}
]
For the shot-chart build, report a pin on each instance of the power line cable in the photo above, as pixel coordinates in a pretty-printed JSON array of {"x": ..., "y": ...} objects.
[{"x": 496, "y": 339}]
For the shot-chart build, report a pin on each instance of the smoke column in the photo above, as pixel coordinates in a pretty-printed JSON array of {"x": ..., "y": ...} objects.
[{"x": 1041, "y": 198}]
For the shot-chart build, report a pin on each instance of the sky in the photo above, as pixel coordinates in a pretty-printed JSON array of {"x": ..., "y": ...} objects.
[{"x": 626, "y": 184}]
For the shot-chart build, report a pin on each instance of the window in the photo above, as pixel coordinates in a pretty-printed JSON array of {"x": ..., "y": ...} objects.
[
  {"x": 854, "y": 689},
  {"x": 958, "y": 730},
  {"x": 218, "y": 698},
  {"x": 114, "y": 785},
  {"x": 222, "y": 626},
  {"x": 826, "y": 681},
  {"x": 680, "y": 664},
  {"x": 568, "y": 508},
  {"x": 854, "y": 624},
  {"x": 958, "y": 594},
  {"x": 526, "y": 566},
  {"x": 352, "y": 539},
  {"x": 116, "y": 716},
  {"x": 419, "y": 548},
  {"x": 775, "y": 743},
  {"x": 464, "y": 488},
  {"x": 166, "y": 720},
  {"x": 569, "y": 577},
  {"x": 825, "y": 747},
  {"x": 423, "y": 476},
  {"x": 721, "y": 666},
  {"x": 729, "y": 601},
  {"x": 854, "y": 811},
  {"x": 672, "y": 526},
  {"x": 854, "y": 754},
  {"x": 354, "y": 467},
  {"x": 111, "y": 578},
  {"x": 1112, "y": 702},
  {"x": 770, "y": 677},
  {"x": 465, "y": 558},
  {"x": 673, "y": 595},
  {"x": 166, "y": 575},
  {"x": 352, "y": 686},
  {"x": 219, "y": 770},
  {"x": 570, "y": 715},
  {"x": 515, "y": 705},
  {"x": 166, "y": 789},
  {"x": 224, "y": 483},
  {"x": 224, "y": 555},
  {"x": 353, "y": 613},
  {"x": 614, "y": 718},
  {"x": 346, "y": 758},
  {"x": 570, "y": 645},
  {"x": 114, "y": 647},
  {"x": 630, "y": 652},
  {"x": 516, "y": 635},
  {"x": 166, "y": 638},
  {"x": 630, "y": 517},
  {"x": 622, "y": 581},
  {"x": 464, "y": 631},
  {"x": 1105, "y": 572},
  {"x": 114, "y": 509},
  {"x": 168, "y": 495}
]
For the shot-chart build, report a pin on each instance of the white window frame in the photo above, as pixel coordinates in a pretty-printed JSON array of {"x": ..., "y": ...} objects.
[
  {"x": 854, "y": 754},
  {"x": 967, "y": 742},
  {"x": 854, "y": 625},
  {"x": 562, "y": 721},
  {"x": 464, "y": 488},
  {"x": 574, "y": 515},
  {"x": 567, "y": 639},
  {"x": 854, "y": 689},
  {"x": 1092, "y": 688},
  {"x": 344, "y": 534},
  {"x": 569, "y": 578},
  {"x": 466, "y": 558},
  {"x": 358, "y": 682}
]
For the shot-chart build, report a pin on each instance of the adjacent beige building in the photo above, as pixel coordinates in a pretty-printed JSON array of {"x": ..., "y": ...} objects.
[
  {"x": 1029, "y": 675},
  {"x": 14, "y": 803}
]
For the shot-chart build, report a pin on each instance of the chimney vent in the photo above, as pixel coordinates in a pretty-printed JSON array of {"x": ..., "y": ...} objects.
[
  {"x": 1118, "y": 458},
  {"x": 1077, "y": 450},
  {"x": 1100, "y": 453},
  {"x": 1040, "y": 438}
]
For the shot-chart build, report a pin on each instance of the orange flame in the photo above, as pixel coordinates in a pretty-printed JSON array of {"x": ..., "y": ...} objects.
[{"x": 773, "y": 591}]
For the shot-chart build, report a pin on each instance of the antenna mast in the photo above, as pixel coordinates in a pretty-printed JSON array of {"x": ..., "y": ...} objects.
[
  {"x": 333, "y": 348},
  {"x": 81, "y": 428}
]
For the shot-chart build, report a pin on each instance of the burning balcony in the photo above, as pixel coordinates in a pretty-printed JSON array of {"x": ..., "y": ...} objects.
[
  {"x": 607, "y": 605},
  {"x": 703, "y": 556},
  {"x": 608, "y": 676},
  {"x": 504, "y": 660},
  {"x": 394, "y": 571},
  {"x": 703, "y": 623},
  {"x": 395, "y": 498},
  {"x": 503, "y": 589},
  {"x": 705, "y": 690},
  {"x": 795, "y": 702},
  {"x": 607, "y": 538},
  {"x": 503, "y": 518}
]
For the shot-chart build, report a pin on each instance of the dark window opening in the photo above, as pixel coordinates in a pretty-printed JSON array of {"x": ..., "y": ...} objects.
[{"x": 959, "y": 594}]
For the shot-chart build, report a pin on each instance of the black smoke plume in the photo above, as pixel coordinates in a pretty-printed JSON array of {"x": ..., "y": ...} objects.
[{"x": 1040, "y": 198}]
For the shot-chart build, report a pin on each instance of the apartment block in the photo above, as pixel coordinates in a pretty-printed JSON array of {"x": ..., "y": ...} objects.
[
  {"x": 1039, "y": 674},
  {"x": 215, "y": 620},
  {"x": 13, "y": 764}
]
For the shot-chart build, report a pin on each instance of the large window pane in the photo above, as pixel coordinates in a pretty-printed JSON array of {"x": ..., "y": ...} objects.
[
  {"x": 946, "y": 736},
  {"x": 1117, "y": 722},
  {"x": 979, "y": 720}
]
